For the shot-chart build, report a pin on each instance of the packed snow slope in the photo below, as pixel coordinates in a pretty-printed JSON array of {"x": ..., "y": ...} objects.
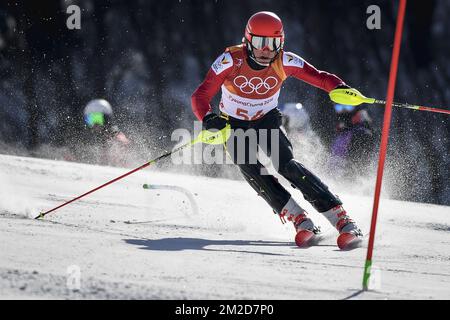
[{"x": 132, "y": 243}]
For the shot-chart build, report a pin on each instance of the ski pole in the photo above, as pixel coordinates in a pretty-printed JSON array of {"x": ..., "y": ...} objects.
[
  {"x": 205, "y": 136},
  {"x": 353, "y": 97}
]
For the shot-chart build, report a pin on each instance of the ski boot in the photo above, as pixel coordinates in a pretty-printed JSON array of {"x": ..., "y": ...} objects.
[
  {"x": 350, "y": 235},
  {"x": 305, "y": 229}
]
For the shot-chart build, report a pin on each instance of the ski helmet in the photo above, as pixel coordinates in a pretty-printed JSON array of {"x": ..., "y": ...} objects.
[
  {"x": 98, "y": 112},
  {"x": 264, "y": 29}
]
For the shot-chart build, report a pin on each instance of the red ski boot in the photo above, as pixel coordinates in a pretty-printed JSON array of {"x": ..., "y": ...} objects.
[
  {"x": 306, "y": 232},
  {"x": 305, "y": 228},
  {"x": 350, "y": 236}
]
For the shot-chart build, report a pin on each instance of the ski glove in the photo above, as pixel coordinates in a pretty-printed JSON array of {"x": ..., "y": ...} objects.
[{"x": 213, "y": 121}]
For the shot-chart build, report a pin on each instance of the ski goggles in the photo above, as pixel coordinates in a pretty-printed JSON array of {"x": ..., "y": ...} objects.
[
  {"x": 273, "y": 43},
  {"x": 343, "y": 107},
  {"x": 94, "y": 118}
]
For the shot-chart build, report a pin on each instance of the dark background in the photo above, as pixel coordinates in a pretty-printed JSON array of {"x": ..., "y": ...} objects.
[{"x": 147, "y": 57}]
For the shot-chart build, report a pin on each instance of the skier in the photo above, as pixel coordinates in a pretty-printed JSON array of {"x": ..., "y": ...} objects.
[{"x": 250, "y": 76}]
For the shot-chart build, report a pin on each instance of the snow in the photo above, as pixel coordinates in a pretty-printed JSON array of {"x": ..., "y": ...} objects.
[{"x": 128, "y": 242}]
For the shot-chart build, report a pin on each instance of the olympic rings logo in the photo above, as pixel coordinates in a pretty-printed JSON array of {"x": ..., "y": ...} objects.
[{"x": 255, "y": 84}]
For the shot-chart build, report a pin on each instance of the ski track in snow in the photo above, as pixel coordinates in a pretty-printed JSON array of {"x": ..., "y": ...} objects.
[{"x": 131, "y": 243}]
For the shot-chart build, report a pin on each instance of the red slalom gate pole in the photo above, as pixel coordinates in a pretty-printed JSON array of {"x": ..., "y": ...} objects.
[{"x": 384, "y": 138}]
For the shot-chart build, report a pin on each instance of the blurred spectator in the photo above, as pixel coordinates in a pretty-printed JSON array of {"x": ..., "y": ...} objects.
[
  {"x": 295, "y": 118},
  {"x": 353, "y": 146},
  {"x": 102, "y": 141}
]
